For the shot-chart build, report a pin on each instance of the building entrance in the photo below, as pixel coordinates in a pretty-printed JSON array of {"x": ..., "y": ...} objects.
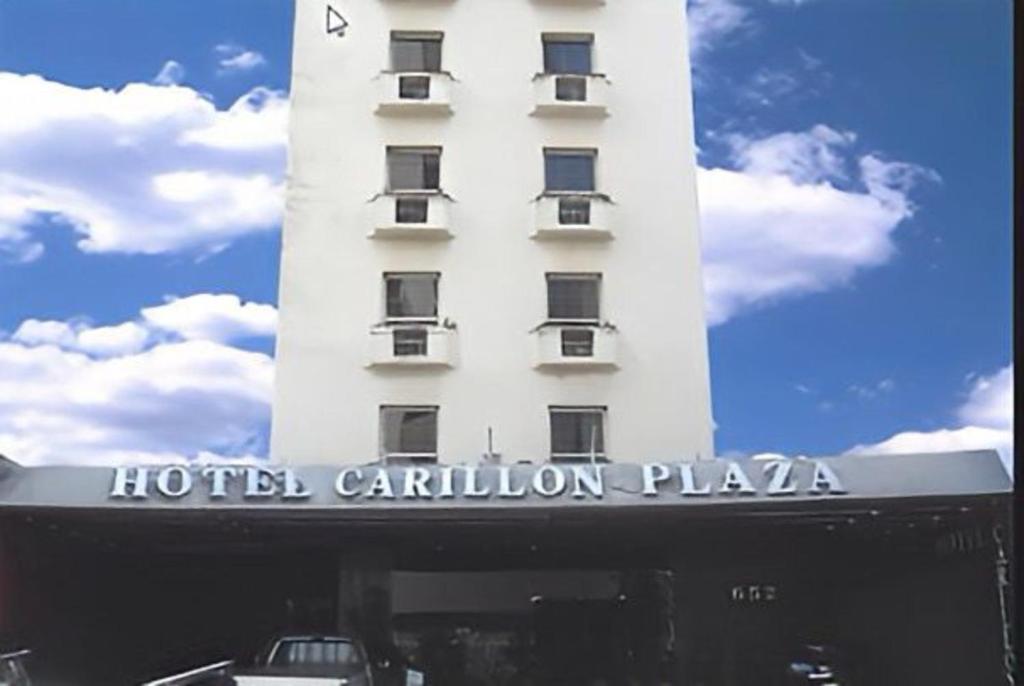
[{"x": 512, "y": 628}]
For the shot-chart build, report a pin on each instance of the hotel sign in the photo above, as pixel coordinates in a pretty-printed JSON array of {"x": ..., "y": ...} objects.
[
  {"x": 713, "y": 479},
  {"x": 444, "y": 491}
]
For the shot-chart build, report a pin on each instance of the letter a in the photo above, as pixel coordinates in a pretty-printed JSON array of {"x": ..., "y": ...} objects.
[
  {"x": 825, "y": 480},
  {"x": 736, "y": 481}
]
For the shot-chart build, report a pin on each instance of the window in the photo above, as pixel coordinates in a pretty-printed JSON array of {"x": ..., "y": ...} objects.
[
  {"x": 315, "y": 651},
  {"x": 574, "y": 297},
  {"x": 568, "y": 54},
  {"x": 409, "y": 432},
  {"x": 416, "y": 52},
  {"x": 411, "y": 296},
  {"x": 577, "y": 432},
  {"x": 409, "y": 342},
  {"x": 569, "y": 170},
  {"x": 414, "y": 169}
]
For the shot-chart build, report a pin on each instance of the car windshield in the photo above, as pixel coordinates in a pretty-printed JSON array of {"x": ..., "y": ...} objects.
[{"x": 319, "y": 652}]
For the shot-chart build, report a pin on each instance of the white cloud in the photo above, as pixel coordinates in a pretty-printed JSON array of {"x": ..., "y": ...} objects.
[
  {"x": 768, "y": 85},
  {"x": 111, "y": 341},
  {"x": 990, "y": 402},
  {"x": 805, "y": 157},
  {"x": 71, "y": 393},
  {"x": 106, "y": 341},
  {"x": 984, "y": 421},
  {"x": 783, "y": 222},
  {"x": 171, "y": 74},
  {"x": 710, "y": 21},
  {"x": 235, "y": 58},
  {"x": 178, "y": 174},
  {"x": 220, "y": 317},
  {"x": 259, "y": 119},
  {"x": 871, "y": 391},
  {"x": 16, "y": 244}
]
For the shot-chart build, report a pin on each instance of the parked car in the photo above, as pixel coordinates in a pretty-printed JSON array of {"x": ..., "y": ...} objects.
[
  {"x": 310, "y": 661},
  {"x": 13, "y": 670},
  {"x": 295, "y": 661}
]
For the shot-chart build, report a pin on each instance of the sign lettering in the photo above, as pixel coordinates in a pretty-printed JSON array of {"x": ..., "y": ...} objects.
[{"x": 725, "y": 479}]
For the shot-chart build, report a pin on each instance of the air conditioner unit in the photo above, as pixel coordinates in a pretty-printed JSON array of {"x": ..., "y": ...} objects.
[
  {"x": 410, "y": 342},
  {"x": 571, "y": 89},
  {"x": 577, "y": 342},
  {"x": 412, "y": 210},
  {"x": 574, "y": 211},
  {"x": 414, "y": 87}
]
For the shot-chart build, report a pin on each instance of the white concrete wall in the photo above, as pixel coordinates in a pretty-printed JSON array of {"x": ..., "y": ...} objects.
[{"x": 492, "y": 284}]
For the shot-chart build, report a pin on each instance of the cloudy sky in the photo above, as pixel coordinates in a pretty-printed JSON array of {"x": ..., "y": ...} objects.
[{"x": 854, "y": 184}]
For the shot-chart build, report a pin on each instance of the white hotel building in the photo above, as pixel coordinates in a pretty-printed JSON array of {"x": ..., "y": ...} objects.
[{"x": 491, "y": 245}]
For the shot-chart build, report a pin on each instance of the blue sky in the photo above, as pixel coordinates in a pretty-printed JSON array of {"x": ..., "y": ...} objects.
[{"x": 862, "y": 148}]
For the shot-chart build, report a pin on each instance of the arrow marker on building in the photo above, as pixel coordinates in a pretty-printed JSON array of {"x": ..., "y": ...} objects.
[{"x": 336, "y": 23}]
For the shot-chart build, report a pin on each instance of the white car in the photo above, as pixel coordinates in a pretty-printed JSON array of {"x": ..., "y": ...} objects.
[
  {"x": 13, "y": 671},
  {"x": 311, "y": 661},
  {"x": 291, "y": 661}
]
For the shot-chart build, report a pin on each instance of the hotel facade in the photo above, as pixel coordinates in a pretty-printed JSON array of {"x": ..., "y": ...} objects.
[{"x": 491, "y": 243}]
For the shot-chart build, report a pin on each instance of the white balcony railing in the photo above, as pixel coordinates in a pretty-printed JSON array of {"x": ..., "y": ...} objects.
[
  {"x": 567, "y": 216},
  {"x": 570, "y": 95},
  {"x": 411, "y": 216},
  {"x": 409, "y": 345},
  {"x": 576, "y": 347},
  {"x": 415, "y": 94}
]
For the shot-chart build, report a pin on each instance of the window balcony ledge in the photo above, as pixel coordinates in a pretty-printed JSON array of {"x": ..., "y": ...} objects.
[
  {"x": 437, "y": 347},
  {"x": 570, "y": 95},
  {"x": 409, "y": 458},
  {"x": 578, "y": 458},
  {"x": 573, "y": 217},
  {"x": 557, "y": 351},
  {"x": 416, "y": 216},
  {"x": 413, "y": 94}
]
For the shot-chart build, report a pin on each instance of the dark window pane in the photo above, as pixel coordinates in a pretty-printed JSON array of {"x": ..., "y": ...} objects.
[
  {"x": 316, "y": 652},
  {"x": 414, "y": 87},
  {"x": 411, "y": 210},
  {"x": 409, "y": 342},
  {"x": 409, "y": 430},
  {"x": 571, "y": 89},
  {"x": 574, "y": 431},
  {"x": 416, "y": 54},
  {"x": 411, "y": 296},
  {"x": 413, "y": 170},
  {"x": 568, "y": 171},
  {"x": 574, "y": 211},
  {"x": 573, "y": 298},
  {"x": 577, "y": 342},
  {"x": 567, "y": 57}
]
